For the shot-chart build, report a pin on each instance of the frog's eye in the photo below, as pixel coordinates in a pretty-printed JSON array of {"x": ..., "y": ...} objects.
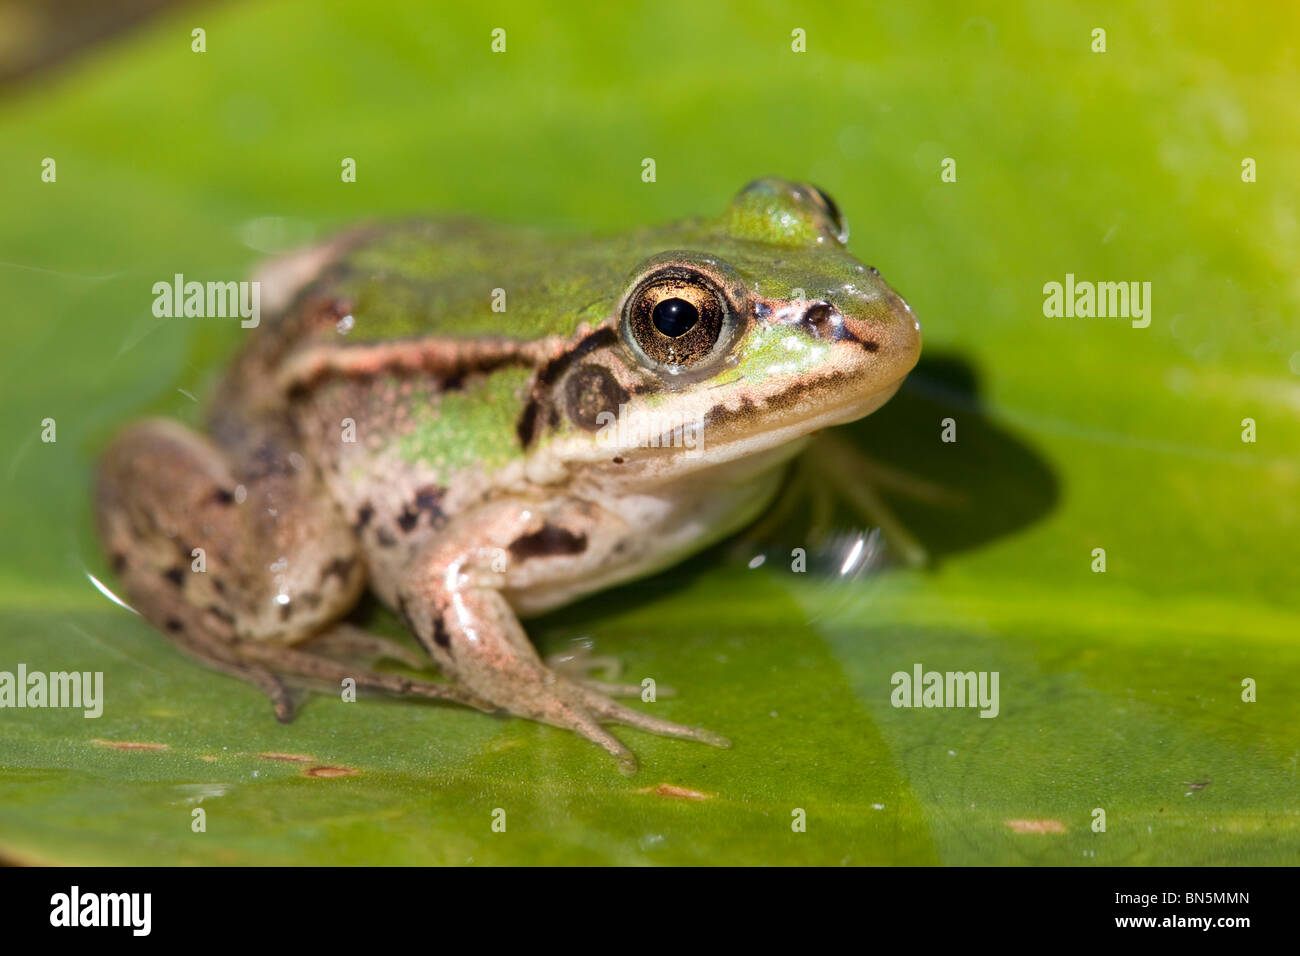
[
  {"x": 831, "y": 211},
  {"x": 676, "y": 316}
]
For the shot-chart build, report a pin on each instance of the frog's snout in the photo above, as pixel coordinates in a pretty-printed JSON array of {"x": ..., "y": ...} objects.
[{"x": 887, "y": 330}]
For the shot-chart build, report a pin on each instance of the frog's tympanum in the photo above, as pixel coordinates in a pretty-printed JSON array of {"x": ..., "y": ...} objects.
[{"x": 481, "y": 423}]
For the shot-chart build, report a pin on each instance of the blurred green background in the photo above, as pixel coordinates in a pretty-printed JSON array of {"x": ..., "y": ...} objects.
[{"x": 1119, "y": 691}]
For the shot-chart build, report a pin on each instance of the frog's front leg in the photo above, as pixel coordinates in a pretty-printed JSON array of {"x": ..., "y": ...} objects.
[{"x": 454, "y": 598}]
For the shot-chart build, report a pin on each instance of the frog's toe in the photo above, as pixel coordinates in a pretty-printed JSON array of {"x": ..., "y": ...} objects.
[
  {"x": 613, "y": 712},
  {"x": 622, "y": 690},
  {"x": 579, "y": 663},
  {"x": 588, "y": 726},
  {"x": 351, "y": 644}
]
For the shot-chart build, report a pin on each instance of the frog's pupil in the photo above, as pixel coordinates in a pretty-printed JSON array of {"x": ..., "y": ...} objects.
[{"x": 675, "y": 317}]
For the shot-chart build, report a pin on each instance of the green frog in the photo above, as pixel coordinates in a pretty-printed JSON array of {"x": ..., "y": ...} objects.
[{"x": 480, "y": 423}]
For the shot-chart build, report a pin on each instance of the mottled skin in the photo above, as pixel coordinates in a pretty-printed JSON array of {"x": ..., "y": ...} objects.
[{"x": 386, "y": 428}]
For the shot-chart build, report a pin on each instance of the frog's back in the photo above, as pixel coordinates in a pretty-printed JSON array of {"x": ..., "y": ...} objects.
[
  {"x": 454, "y": 279},
  {"x": 459, "y": 290}
]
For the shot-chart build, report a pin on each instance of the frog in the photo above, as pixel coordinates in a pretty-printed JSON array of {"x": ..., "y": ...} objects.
[{"x": 477, "y": 423}]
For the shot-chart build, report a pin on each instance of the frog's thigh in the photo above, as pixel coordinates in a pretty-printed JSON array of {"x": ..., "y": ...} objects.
[
  {"x": 255, "y": 551},
  {"x": 207, "y": 550}
]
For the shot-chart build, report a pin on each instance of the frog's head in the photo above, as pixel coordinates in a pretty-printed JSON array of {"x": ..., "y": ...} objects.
[{"x": 734, "y": 338}]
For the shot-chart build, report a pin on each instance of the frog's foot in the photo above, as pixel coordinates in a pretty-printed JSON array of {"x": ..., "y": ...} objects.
[
  {"x": 579, "y": 664},
  {"x": 576, "y": 707},
  {"x": 290, "y": 662},
  {"x": 350, "y": 643},
  {"x": 857, "y": 479}
]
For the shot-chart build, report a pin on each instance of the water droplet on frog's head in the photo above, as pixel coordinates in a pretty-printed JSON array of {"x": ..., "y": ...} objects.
[{"x": 346, "y": 324}]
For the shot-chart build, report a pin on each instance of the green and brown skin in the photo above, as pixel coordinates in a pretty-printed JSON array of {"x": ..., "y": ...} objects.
[{"x": 480, "y": 486}]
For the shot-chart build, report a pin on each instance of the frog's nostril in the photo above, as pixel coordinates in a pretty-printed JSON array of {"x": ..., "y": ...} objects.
[{"x": 820, "y": 318}]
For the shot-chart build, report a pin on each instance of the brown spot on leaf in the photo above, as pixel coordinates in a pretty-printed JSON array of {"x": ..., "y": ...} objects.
[
  {"x": 289, "y": 758},
  {"x": 671, "y": 791},
  {"x": 1036, "y": 826},
  {"x": 330, "y": 772},
  {"x": 129, "y": 745}
]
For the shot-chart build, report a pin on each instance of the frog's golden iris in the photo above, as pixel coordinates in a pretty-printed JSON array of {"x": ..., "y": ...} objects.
[{"x": 677, "y": 315}]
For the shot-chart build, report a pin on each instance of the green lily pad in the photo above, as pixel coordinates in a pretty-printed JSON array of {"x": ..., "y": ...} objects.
[{"x": 1120, "y": 691}]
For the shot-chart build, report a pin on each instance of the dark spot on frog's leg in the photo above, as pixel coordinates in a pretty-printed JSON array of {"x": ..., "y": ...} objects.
[
  {"x": 221, "y": 614},
  {"x": 549, "y": 540},
  {"x": 223, "y": 497},
  {"x": 408, "y": 519},
  {"x": 340, "y": 568},
  {"x": 119, "y": 562},
  {"x": 364, "y": 514},
  {"x": 429, "y": 499},
  {"x": 174, "y": 625},
  {"x": 440, "y": 635},
  {"x": 175, "y": 575}
]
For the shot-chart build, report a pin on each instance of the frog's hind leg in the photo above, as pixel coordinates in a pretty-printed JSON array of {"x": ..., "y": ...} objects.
[
  {"x": 349, "y": 643},
  {"x": 235, "y": 563}
]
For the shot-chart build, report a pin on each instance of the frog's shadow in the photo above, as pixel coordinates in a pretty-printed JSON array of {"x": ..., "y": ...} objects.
[{"x": 988, "y": 482}]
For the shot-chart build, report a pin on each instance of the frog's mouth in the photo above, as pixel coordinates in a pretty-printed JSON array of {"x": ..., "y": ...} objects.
[
  {"x": 794, "y": 413},
  {"x": 867, "y": 363},
  {"x": 755, "y": 433}
]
